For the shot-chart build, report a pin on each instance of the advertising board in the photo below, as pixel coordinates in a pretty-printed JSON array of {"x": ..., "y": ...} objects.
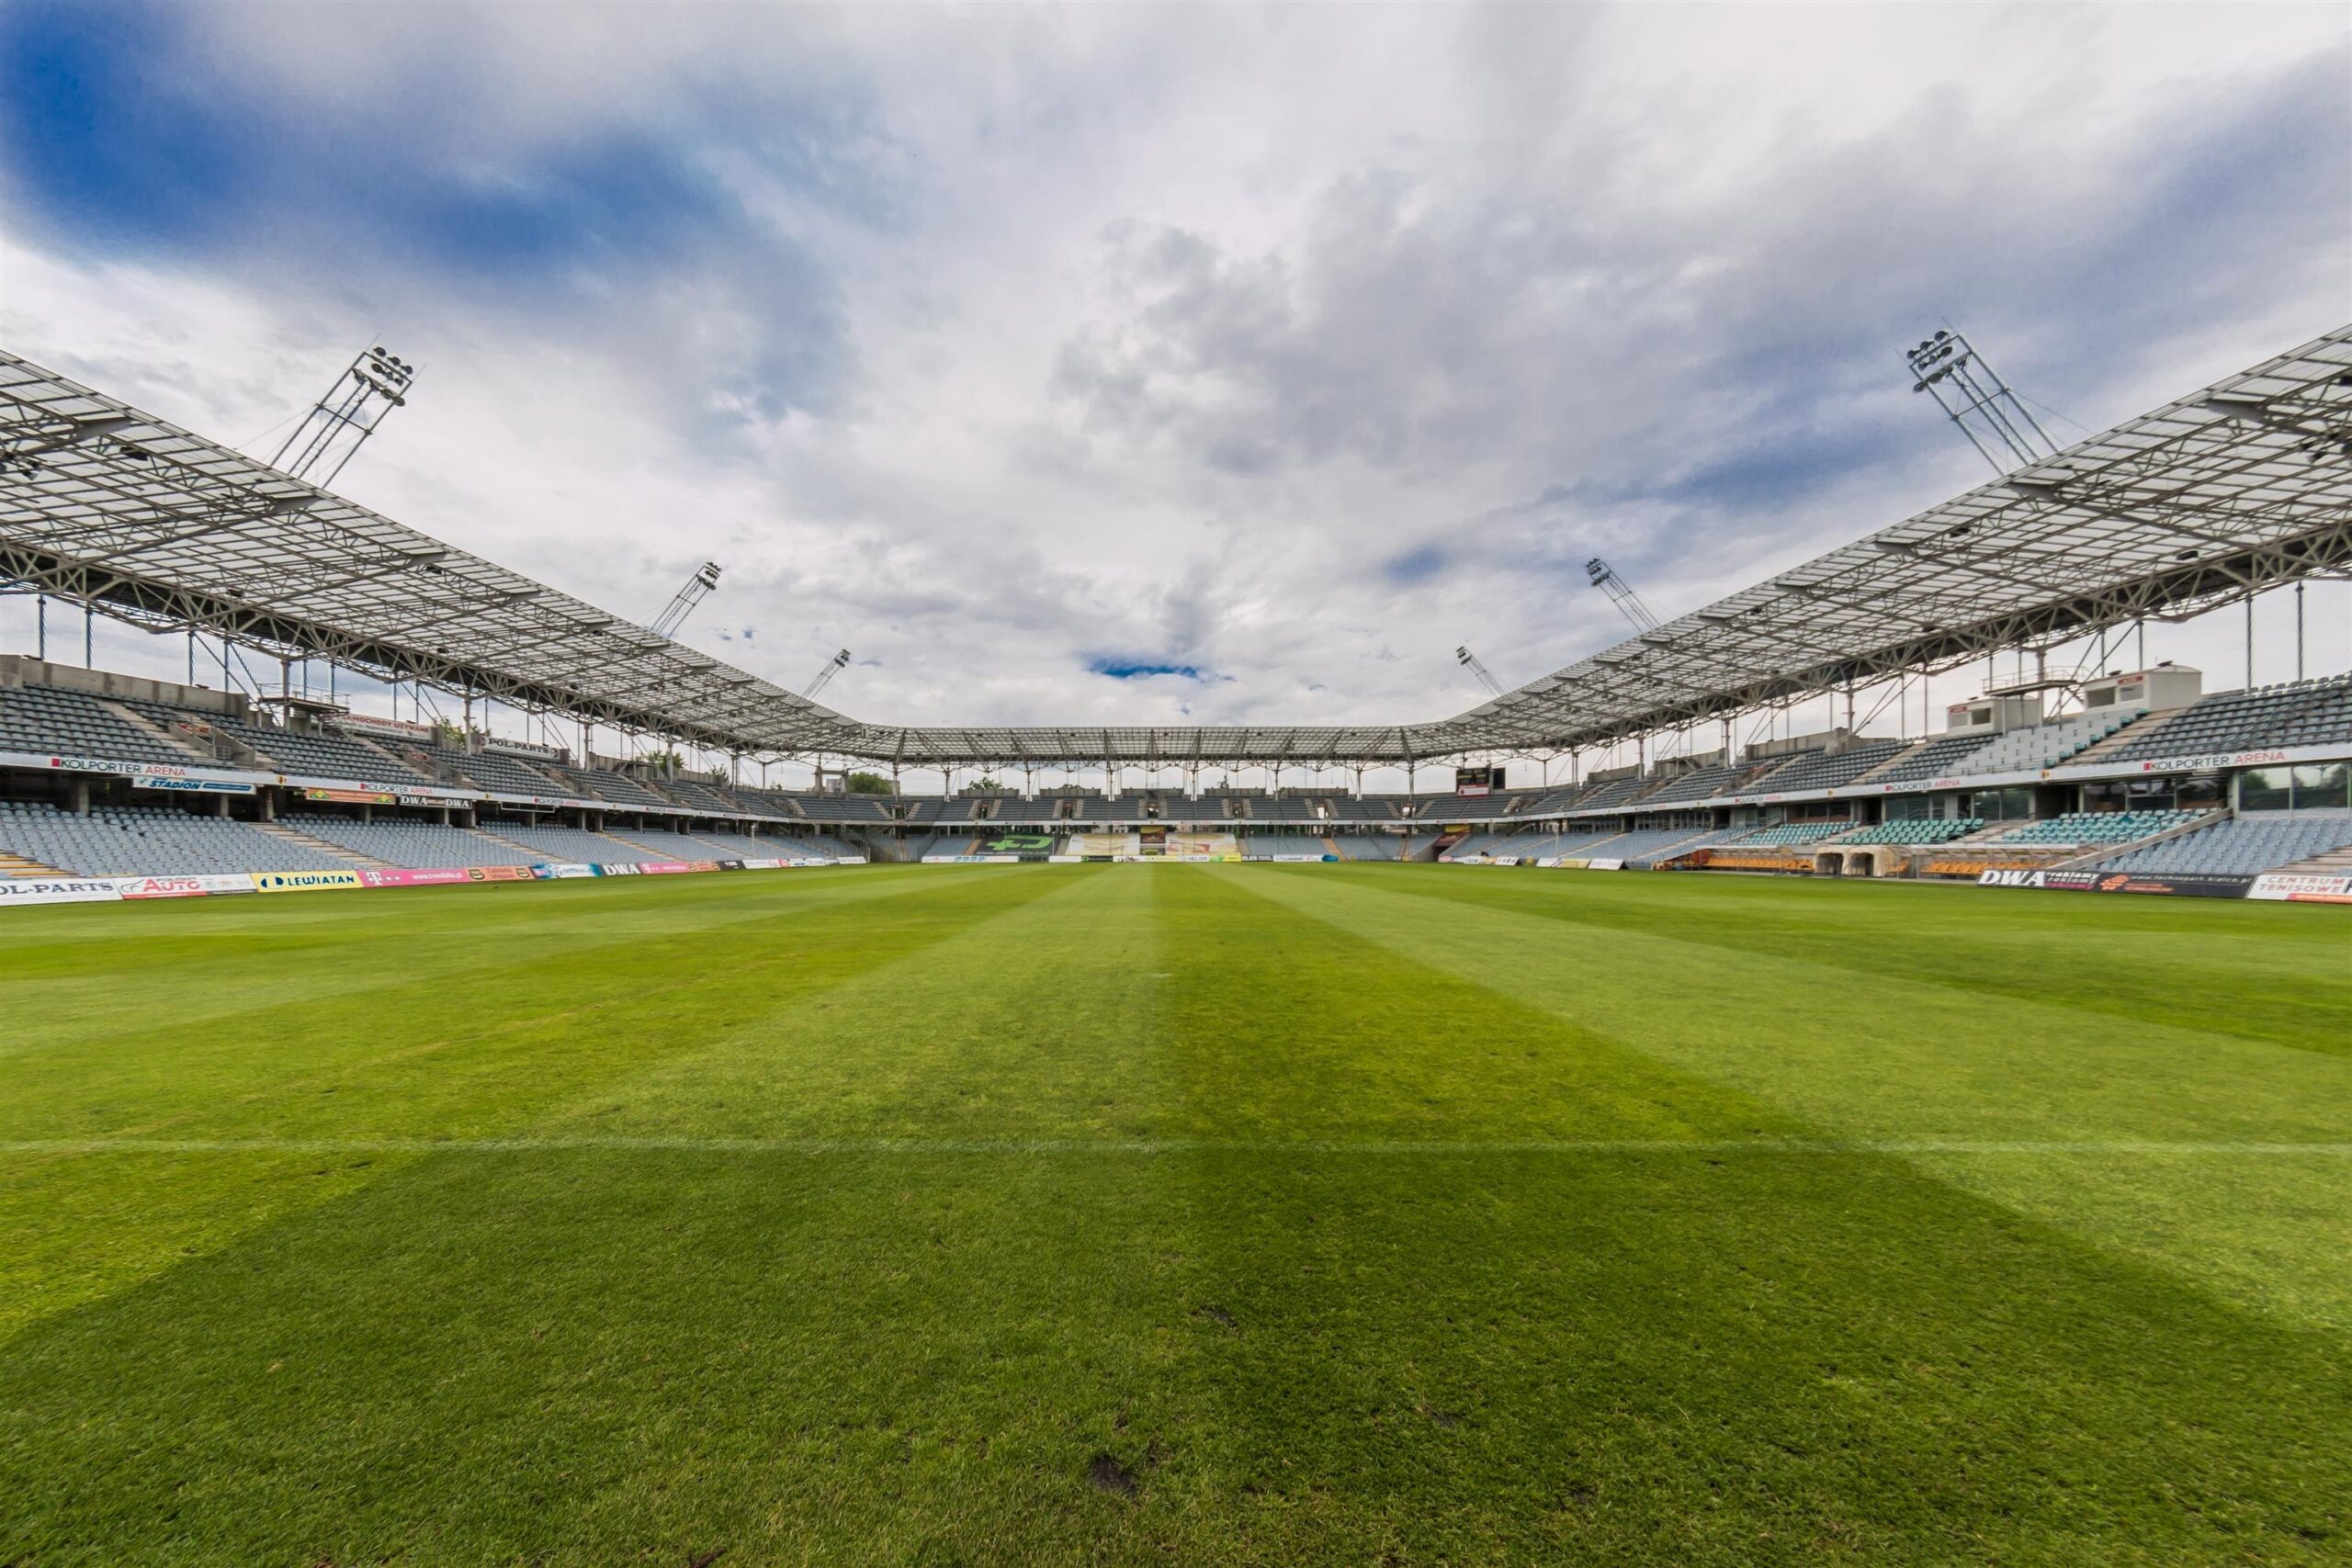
[
  {"x": 304, "y": 881},
  {"x": 2303, "y": 887},
  {"x": 196, "y": 786},
  {"x": 2166, "y": 884},
  {"x": 26, "y": 890},
  {"x": 182, "y": 886}
]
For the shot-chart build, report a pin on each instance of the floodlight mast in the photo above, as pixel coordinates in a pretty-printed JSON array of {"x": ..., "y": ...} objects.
[
  {"x": 683, "y": 605},
  {"x": 1469, "y": 661},
  {"x": 341, "y": 421},
  {"x": 1620, "y": 593},
  {"x": 1974, "y": 398},
  {"x": 833, "y": 666}
]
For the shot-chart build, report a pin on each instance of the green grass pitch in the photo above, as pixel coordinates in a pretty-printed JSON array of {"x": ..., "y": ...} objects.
[{"x": 1215, "y": 1214}]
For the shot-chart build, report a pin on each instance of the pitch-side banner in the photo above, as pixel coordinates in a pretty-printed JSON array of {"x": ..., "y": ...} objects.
[
  {"x": 304, "y": 881},
  {"x": 2163, "y": 884},
  {"x": 182, "y": 886},
  {"x": 2303, "y": 887},
  {"x": 27, "y": 890}
]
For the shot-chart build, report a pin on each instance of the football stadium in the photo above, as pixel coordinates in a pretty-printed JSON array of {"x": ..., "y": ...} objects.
[{"x": 1726, "y": 1101}]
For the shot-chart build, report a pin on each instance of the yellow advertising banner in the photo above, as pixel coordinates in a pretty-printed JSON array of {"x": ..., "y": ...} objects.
[{"x": 303, "y": 881}]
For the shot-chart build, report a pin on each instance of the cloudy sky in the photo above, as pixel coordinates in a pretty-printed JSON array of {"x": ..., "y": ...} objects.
[{"x": 1141, "y": 363}]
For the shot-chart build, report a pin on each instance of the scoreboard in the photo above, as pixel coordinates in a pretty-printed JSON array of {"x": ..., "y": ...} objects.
[{"x": 1477, "y": 781}]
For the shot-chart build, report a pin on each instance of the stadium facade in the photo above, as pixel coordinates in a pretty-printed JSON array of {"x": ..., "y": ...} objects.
[{"x": 2240, "y": 486}]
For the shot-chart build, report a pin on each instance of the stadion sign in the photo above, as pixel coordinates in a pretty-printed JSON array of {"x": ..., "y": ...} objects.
[{"x": 205, "y": 787}]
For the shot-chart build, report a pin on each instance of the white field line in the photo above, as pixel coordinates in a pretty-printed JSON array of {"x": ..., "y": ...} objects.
[{"x": 625, "y": 1144}]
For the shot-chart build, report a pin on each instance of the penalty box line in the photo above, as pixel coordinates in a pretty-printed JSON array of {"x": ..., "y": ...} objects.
[{"x": 655, "y": 1143}]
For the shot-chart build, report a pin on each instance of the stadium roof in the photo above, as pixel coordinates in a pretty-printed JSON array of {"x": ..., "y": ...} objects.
[{"x": 2231, "y": 490}]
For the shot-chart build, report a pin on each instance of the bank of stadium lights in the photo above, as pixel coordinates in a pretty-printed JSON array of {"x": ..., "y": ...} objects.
[
  {"x": 682, "y": 603},
  {"x": 1620, "y": 593},
  {"x": 824, "y": 677},
  {"x": 1974, "y": 398},
  {"x": 1470, "y": 661},
  {"x": 340, "y": 422}
]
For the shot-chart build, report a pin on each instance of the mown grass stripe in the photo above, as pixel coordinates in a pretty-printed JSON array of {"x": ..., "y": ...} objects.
[{"x": 1399, "y": 1146}]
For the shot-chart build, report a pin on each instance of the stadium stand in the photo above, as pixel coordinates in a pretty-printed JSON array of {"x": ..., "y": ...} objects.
[
  {"x": 1672, "y": 845},
  {"x": 694, "y": 793},
  {"x": 43, "y": 720},
  {"x": 1939, "y": 758},
  {"x": 602, "y": 784},
  {"x": 667, "y": 845},
  {"x": 2246, "y": 846},
  {"x": 2097, "y": 826},
  {"x": 2042, "y": 746},
  {"x": 494, "y": 774},
  {"x": 1700, "y": 783},
  {"x": 419, "y": 846},
  {"x": 1369, "y": 846},
  {"x": 827, "y": 807},
  {"x": 2308, "y": 713},
  {"x": 571, "y": 844},
  {"x": 1918, "y": 830},
  {"x": 743, "y": 846},
  {"x": 1788, "y": 833},
  {"x": 1614, "y": 792},
  {"x": 320, "y": 755},
  {"x": 1820, "y": 770},
  {"x": 150, "y": 840}
]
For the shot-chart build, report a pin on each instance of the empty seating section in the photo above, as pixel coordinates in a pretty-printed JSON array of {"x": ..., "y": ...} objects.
[
  {"x": 1673, "y": 845},
  {"x": 150, "y": 840},
  {"x": 752, "y": 803},
  {"x": 321, "y": 756},
  {"x": 2308, "y": 713},
  {"x": 1282, "y": 809},
  {"x": 843, "y": 807},
  {"x": 1018, "y": 809},
  {"x": 1615, "y": 791},
  {"x": 572, "y": 845},
  {"x": 1938, "y": 759},
  {"x": 1819, "y": 770},
  {"x": 602, "y": 784},
  {"x": 2044, "y": 745},
  {"x": 1920, "y": 830},
  {"x": 1175, "y": 807},
  {"x": 1551, "y": 802},
  {"x": 420, "y": 846},
  {"x": 1793, "y": 833},
  {"x": 2245, "y": 847},
  {"x": 1520, "y": 845},
  {"x": 42, "y": 720},
  {"x": 1370, "y": 846},
  {"x": 743, "y": 846},
  {"x": 694, "y": 793},
  {"x": 665, "y": 844},
  {"x": 1644, "y": 845},
  {"x": 1700, "y": 783},
  {"x": 931, "y": 809},
  {"x": 2097, "y": 826},
  {"x": 494, "y": 774}
]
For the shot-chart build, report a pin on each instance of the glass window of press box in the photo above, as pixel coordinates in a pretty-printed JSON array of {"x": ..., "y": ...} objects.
[
  {"x": 2314, "y": 787},
  {"x": 2196, "y": 792}
]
